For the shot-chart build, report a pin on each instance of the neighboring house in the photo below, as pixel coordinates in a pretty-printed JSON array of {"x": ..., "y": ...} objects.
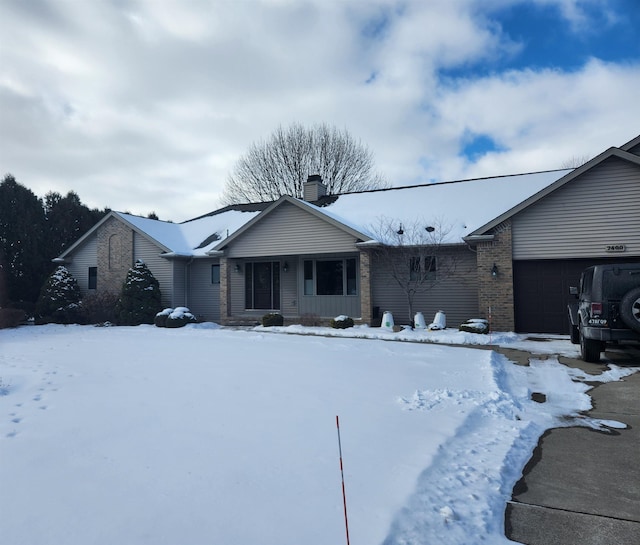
[{"x": 518, "y": 243}]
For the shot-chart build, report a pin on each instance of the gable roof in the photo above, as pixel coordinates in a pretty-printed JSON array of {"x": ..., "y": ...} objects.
[
  {"x": 631, "y": 144},
  {"x": 469, "y": 209},
  {"x": 189, "y": 239},
  {"x": 316, "y": 211},
  {"x": 568, "y": 177}
]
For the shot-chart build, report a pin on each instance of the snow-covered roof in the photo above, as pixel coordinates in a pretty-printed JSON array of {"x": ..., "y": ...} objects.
[
  {"x": 461, "y": 207},
  {"x": 186, "y": 239}
]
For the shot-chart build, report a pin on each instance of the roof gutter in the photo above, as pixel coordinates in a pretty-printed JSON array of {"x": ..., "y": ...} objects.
[{"x": 473, "y": 239}]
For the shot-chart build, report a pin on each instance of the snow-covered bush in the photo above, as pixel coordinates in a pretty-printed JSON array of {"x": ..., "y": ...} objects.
[
  {"x": 272, "y": 319},
  {"x": 59, "y": 299},
  {"x": 475, "y": 325},
  {"x": 177, "y": 317},
  {"x": 140, "y": 299},
  {"x": 180, "y": 317},
  {"x": 160, "y": 319},
  {"x": 341, "y": 322}
]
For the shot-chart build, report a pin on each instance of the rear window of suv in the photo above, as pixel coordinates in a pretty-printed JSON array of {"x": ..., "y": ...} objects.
[{"x": 617, "y": 282}]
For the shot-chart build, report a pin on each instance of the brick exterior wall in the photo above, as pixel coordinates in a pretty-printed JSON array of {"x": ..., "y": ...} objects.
[
  {"x": 497, "y": 292},
  {"x": 366, "y": 309},
  {"x": 224, "y": 290},
  {"x": 115, "y": 255}
]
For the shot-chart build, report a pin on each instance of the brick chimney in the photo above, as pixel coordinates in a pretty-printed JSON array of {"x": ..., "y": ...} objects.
[{"x": 313, "y": 188}]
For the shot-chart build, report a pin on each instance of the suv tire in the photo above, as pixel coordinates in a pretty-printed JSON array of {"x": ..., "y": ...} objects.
[
  {"x": 574, "y": 334},
  {"x": 590, "y": 349},
  {"x": 630, "y": 309}
]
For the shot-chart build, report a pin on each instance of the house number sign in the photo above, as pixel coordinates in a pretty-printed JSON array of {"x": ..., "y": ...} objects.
[{"x": 615, "y": 248}]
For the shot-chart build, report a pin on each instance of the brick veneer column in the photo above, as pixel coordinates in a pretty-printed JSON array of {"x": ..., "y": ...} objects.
[
  {"x": 115, "y": 255},
  {"x": 224, "y": 290},
  {"x": 497, "y": 292},
  {"x": 366, "y": 310}
]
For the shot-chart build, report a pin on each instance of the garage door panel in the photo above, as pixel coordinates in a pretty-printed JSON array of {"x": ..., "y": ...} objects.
[{"x": 541, "y": 292}]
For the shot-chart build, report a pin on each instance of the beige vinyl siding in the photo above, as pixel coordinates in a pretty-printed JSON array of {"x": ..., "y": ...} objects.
[
  {"x": 179, "y": 293},
  {"x": 289, "y": 287},
  {"x": 236, "y": 291},
  {"x": 160, "y": 267},
  {"x": 457, "y": 296},
  {"x": 82, "y": 258},
  {"x": 329, "y": 306},
  {"x": 599, "y": 208},
  {"x": 289, "y": 230},
  {"x": 204, "y": 297}
]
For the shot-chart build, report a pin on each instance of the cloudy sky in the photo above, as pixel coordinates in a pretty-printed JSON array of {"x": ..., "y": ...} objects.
[{"x": 144, "y": 105}]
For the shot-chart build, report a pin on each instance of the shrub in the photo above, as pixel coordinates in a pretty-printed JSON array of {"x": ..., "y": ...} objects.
[
  {"x": 140, "y": 299},
  {"x": 99, "y": 307},
  {"x": 180, "y": 317},
  {"x": 272, "y": 319},
  {"x": 475, "y": 325},
  {"x": 59, "y": 299},
  {"x": 341, "y": 322},
  {"x": 11, "y": 317},
  {"x": 160, "y": 319},
  {"x": 28, "y": 307}
]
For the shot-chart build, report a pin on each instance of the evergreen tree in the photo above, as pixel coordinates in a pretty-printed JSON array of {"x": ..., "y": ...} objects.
[
  {"x": 67, "y": 220},
  {"x": 25, "y": 257},
  {"x": 59, "y": 299},
  {"x": 140, "y": 299}
]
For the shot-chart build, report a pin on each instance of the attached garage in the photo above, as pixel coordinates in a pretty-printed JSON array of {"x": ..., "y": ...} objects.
[
  {"x": 541, "y": 291},
  {"x": 589, "y": 216}
]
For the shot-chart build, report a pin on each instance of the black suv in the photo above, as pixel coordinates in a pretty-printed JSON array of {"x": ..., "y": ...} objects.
[{"x": 607, "y": 308}]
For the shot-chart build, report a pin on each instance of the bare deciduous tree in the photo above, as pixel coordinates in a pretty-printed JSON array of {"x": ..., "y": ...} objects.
[
  {"x": 575, "y": 161},
  {"x": 280, "y": 165},
  {"x": 414, "y": 254}
]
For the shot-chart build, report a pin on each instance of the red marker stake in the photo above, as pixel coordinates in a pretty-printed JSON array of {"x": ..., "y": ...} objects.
[{"x": 344, "y": 496}]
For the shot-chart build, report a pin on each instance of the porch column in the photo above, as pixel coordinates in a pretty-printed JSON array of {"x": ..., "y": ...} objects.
[
  {"x": 224, "y": 290},
  {"x": 366, "y": 308},
  {"x": 496, "y": 291}
]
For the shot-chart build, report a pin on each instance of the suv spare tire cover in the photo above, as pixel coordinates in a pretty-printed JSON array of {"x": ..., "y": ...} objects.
[{"x": 630, "y": 309}]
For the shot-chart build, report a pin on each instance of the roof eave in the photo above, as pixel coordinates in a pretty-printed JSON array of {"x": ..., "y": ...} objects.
[
  {"x": 611, "y": 152},
  {"x": 473, "y": 239},
  {"x": 296, "y": 202}
]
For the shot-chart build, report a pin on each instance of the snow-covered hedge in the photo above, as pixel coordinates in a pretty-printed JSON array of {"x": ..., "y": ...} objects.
[
  {"x": 11, "y": 317},
  {"x": 272, "y": 319},
  {"x": 341, "y": 322},
  {"x": 174, "y": 317},
  {"x": 475, "y": 325}
]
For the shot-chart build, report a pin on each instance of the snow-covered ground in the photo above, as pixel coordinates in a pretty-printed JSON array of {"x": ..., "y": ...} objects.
[{"x": 205, "y": 435}]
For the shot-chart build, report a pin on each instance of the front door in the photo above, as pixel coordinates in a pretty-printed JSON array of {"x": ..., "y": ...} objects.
[{"x": 262, "y": 285}]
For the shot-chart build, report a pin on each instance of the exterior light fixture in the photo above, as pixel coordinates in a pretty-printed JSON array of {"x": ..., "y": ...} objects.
[
  {"x": 285, "y": 267},
  {"x": 494, "y": 270},
  {"x": 401, "y": 230},
  {"x": 429, "y": 229},
  {"x": 237, "y": 268}
]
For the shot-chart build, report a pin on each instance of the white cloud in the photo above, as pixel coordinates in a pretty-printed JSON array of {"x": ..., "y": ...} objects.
[{"x": 143, "y": 105}]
